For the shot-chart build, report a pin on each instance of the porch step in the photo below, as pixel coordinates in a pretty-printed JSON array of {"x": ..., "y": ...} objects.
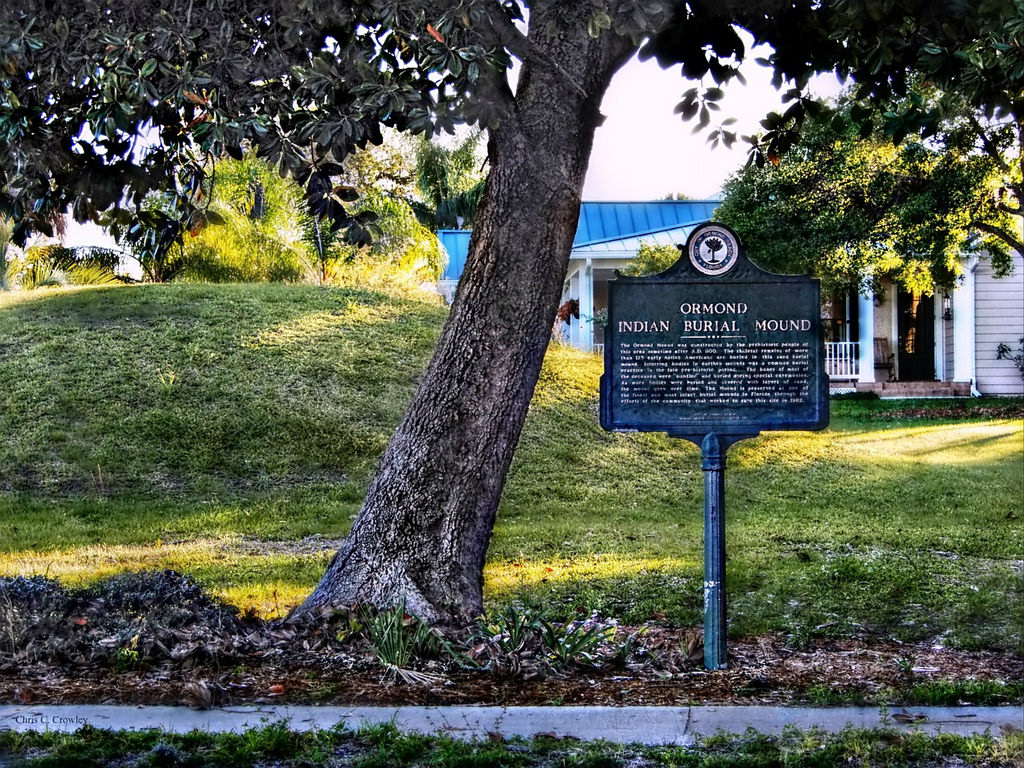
[{"x": 917, "y": 388}]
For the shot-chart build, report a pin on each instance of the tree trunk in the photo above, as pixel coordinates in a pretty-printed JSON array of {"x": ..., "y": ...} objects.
[{"x": 424, "y": 528}]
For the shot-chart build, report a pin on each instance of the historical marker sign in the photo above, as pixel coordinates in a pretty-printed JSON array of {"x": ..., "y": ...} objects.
[
  {"x": 714, "y": 350},
  {"x": 714, "y": 344}
]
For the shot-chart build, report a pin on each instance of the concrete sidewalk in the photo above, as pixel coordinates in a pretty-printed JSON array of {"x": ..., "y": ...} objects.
[{"x": 628, "y": 725}]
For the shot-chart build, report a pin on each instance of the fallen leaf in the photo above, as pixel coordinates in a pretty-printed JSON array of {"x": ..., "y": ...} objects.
[
  {"x": 198, "y": 695},
  {"x": 276, "y": 689},
  {"x": 435, "y": 34},
  {"x": 909, "y": 717}
]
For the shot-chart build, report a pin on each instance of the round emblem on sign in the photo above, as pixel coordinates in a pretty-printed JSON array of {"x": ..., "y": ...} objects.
[{"x": 713, "y": 250}]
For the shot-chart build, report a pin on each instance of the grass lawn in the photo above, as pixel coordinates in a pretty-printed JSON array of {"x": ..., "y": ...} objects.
[
  {"x": 384, "y": 747},
  {"x": 215, "y": 429}
]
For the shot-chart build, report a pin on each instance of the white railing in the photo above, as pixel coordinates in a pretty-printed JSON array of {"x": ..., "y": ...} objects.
[{"x": 841, "y": 359}]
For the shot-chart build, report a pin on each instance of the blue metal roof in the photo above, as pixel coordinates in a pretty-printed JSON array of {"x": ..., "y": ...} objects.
[
  {"x": 456, "y": 243},
  {"x": 600, "y": 222}
]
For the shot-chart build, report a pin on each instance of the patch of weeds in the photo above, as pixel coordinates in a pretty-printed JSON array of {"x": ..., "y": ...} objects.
[
  {"x": 827, "y": 695},
  {"x": 163, "y": 755},
  {"x": 980, "y": 693},
  {"x": 397, "y": 638},
  {"x": 813, "y": 748},
  {"x": 387, "y": 748},
  {"x": 799, "y": 637},
  {"x": 577, "y": 641},
  {"x": 384, "y": 746},
  {"x": 633, "y": 645},
  {"x": 509, "y": 629},
  {"x": 520, "y": 640},
  {"x": 984, "y": 612},
  {"x": 84, "y": 748},
  {"x": 939, "y": 693},
  {"x": 905, "y": 666},
  {"x": 274, "y": 742},
  {"x": 127, "y": 657},
  {"x": 727, "y": 750},
  {"x": 348, "y": 628}
]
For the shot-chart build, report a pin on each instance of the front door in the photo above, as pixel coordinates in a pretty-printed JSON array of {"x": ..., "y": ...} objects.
[{"x": 917, "y": 336}]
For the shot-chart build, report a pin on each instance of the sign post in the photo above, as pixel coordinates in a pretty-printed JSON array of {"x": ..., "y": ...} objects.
[{"x": 714, "y": 350}]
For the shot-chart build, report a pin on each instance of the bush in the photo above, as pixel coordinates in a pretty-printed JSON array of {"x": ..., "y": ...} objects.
[
  {"x": 1003, "y": 352},
  {"x": 55, "y": 265},
  {"x": 652, "y": 259}
]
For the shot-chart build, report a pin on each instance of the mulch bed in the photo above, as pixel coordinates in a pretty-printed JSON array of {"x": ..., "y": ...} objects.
[
  {"x": 763, "y": 672},
  {"x": 158, "y": 638}
]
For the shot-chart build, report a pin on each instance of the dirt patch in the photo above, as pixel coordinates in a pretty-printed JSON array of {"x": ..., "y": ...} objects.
[
  {"x": 1002, "y": 411},
  {"x": 314, "y": 544},
  {"x": 160, "y": 639}
]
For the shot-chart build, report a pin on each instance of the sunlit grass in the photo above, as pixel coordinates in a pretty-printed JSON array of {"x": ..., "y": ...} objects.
[
  {"x": 506, "y": 578},
  {"x": 170, "y": 426}
]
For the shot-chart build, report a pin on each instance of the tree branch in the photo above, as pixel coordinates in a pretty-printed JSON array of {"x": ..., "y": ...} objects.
[
  {"x": 520, "y": 45},
  {"x": 990, "y": 147},
  {"x": 1000, "y": 233}
]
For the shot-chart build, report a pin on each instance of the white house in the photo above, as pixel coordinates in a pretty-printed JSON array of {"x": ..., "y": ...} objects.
[
  {"x": 945, "y": 344},
  {"x": 893, "y": 343}
]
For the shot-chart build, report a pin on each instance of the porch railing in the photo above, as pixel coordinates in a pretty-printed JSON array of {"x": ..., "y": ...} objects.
[{"x": 841, "y": 358}]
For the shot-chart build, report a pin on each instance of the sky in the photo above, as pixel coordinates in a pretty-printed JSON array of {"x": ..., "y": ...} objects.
[{"x": 644, "y": 152}]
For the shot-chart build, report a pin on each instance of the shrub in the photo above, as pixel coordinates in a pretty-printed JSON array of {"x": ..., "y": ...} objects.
[
  {"x": 1003, "y": 352},
  {"x": 652, "y": 259}
]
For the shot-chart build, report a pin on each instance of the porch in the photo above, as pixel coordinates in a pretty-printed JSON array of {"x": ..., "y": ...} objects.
[
  {"x": 842, "y": 365},
  {"x": 915, "y": 388}
]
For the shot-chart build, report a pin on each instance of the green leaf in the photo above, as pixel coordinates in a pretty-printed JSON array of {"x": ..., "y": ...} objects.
[{"x": 346, "y": 194}]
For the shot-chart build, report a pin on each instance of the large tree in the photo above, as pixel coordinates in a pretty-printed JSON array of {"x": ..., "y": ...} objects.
[
  {"x": 853, "y": 209},
  {"x": 308, "y": 80}
]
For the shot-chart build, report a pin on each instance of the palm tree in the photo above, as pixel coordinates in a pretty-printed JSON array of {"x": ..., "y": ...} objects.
[{"x": 450, "y": 181}]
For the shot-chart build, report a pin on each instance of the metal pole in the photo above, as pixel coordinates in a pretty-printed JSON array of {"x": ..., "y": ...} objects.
[{"x": 713, "y": 450}]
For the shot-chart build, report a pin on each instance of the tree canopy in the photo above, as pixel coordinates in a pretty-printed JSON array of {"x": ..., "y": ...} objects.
[
  {"x": 950, "y": 74},
  {"x": 853, "y": 209},
  {"x": 128, "y": 97}
]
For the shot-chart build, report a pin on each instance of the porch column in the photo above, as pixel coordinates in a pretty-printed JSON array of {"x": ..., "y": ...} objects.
[
  {"x": 939, "y": 334},
  {"x": 574, "y": 292},
  {"x": 963, "y": 326},
  {"x": 587, "y": 306},
  {"x": 866, "y": 337}
]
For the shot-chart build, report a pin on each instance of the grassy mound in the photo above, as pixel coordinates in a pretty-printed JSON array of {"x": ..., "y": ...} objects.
[{"x": 228, "y": 432}]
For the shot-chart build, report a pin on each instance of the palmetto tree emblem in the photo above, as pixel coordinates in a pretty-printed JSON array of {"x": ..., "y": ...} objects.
[
  {"x": 714, "y": 245},
  {"x": 712, "y": 249}
]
